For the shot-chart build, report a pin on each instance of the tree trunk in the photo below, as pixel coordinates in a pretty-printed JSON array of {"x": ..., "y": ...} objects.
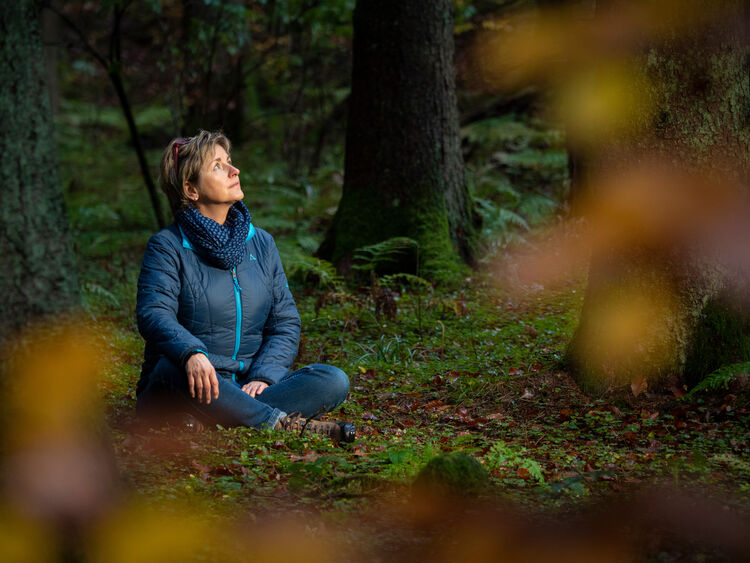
[
  {"x": 675, "y": 297},
  {"x": 404, "y": 173},
  {"x": 38, "y": 271}
]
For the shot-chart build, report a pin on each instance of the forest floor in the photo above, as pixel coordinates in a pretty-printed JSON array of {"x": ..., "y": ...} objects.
[
  {"x": 482, "y": 377},
  {"x": 476, "y": 369}
]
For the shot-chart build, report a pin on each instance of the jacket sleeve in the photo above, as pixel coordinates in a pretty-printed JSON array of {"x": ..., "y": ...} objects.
[
  {"x": 158, "y": 303},
  {"x": 281, "y": 331}
]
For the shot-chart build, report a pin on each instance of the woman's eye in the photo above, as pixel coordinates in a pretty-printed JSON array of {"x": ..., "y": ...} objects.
[{"x": 217, "y": 166}]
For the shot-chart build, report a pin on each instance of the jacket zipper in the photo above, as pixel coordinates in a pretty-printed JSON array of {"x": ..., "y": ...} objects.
[{"x": 238, "y": 306}]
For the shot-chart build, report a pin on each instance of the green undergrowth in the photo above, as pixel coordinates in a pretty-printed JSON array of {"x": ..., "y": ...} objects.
[
  {"x": 481, "y": 377},
  {"x": 472, "y": 370}
]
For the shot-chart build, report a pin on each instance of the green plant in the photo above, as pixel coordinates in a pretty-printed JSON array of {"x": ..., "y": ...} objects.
[
  {"x": 502, "y": 455},
  {"x": 418, "y": 285},
  {"x": 722, "y": 377},
  {"x": 386, "y": 255},
  {"x": 404, "y": 463},
  {"x": 455, "y": 472},
  {"x": 391, "y": 351},
  {"x": 310, "y": 270}
]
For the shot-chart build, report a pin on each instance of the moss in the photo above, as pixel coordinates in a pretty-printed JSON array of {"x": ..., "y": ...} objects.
[
  {"x": 720, "y": 338},
  {"x": 453, "y": 473},
  {"x": 366, "y": 218}
]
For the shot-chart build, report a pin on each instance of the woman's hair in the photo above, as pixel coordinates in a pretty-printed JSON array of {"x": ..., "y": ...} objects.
[{"x": 182, "y": 161}]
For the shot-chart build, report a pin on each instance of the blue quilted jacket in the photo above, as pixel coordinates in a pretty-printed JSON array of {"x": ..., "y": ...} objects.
[{"x": 244, "y": 319}]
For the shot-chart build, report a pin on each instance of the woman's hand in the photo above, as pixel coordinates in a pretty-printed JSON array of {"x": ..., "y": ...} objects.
[
  {"x": 254, "y": 388},
  {"x": 202, "y": 379}
]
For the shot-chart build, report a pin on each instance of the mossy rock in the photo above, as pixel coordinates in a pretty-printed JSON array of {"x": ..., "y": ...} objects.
[{"x": 454, "y": 473}]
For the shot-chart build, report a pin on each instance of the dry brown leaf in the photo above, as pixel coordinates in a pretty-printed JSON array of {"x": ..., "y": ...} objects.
[{"x": 638, "y": 386}]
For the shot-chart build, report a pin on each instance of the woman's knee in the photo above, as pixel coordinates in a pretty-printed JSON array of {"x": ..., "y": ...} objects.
[{"x": 336, "y": 380}]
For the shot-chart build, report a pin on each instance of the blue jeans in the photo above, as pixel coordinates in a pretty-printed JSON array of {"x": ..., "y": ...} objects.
[{"x": 311, "y": 390}]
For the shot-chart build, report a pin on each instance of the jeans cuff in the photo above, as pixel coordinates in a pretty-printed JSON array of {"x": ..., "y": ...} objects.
[{"x": 274, "y": 418}]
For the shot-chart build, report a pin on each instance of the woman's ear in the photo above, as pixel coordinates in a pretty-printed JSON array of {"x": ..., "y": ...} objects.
[{"x": 191, "y": 191}]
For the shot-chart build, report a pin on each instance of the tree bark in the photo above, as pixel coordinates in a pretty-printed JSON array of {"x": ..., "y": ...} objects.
[
  {"x": 38, "y": 270},
  {"x": 700, "y": 95},
  {"x": 404, "y": 174}
]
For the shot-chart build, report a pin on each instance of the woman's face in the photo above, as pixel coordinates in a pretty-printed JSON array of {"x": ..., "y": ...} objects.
[{"x": 218, "y": 183}]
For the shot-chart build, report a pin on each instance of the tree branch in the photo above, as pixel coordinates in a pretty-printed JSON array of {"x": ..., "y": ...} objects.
[{"x": 81, "y": 36}]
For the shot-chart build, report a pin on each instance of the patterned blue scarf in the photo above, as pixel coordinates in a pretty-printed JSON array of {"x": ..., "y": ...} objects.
[{"x": 222, "y": 246}]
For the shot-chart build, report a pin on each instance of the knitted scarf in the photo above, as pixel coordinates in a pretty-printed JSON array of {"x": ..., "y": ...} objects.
[{"x": 222, "y": 246}]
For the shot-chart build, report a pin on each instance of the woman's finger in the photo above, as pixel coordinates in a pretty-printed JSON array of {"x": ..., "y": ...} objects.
[
  {"x": 191, "y": 384},
  {"x": 206, "y": 381},
  {"x": 198, "y": 387}
]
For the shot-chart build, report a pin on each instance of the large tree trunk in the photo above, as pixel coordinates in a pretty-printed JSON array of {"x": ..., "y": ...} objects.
[
  {"x": 38, "y": 273},
  {"x": 681, "y": 324},
  {"x": 404, "y": 173}
]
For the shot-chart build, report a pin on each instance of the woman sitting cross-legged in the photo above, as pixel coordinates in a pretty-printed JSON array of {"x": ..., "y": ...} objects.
[{"x": 214, "y": 307}]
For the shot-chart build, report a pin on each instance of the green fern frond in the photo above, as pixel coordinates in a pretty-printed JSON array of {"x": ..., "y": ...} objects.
[
  {"x": 309, "y": 270},
  {"x": 405, "y": 281},
  {"x": 390, "y": 251},
  {"x": 722, "y": 377}
]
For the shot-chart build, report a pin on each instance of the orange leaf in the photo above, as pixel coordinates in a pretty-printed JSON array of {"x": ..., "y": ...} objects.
[
  {"x": 638, "y": 386},
  {"x": 432, "y": 405}
]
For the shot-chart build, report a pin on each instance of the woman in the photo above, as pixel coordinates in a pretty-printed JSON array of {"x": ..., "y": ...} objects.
[{"x": 220, "y": 323}]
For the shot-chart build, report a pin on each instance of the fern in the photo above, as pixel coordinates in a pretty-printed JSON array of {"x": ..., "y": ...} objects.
[
  {"x": 502, "y": 454},
  {"x": 405, "y": 281},
  {"x": 722, "y": 377},
  {"x": 537, "y": 208},
  {"x": 371, "y": 258},
  {"x": 500, "y": 225},
  {"x": 309, "y": 270}
]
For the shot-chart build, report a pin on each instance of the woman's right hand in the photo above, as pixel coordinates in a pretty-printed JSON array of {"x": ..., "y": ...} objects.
[{"x": 202, "y": 379}]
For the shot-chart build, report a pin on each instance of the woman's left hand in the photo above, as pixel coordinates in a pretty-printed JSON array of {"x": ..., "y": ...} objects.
[{"x": 254, "y": 388}]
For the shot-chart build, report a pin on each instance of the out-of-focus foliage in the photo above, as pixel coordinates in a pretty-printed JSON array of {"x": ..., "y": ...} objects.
[{"x": 272, "y": 71}]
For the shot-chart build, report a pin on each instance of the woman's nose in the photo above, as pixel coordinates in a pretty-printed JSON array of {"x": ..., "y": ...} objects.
[{"x": 233, "y": 171}]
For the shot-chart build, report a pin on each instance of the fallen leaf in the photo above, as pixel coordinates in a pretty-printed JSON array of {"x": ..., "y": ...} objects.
[
  {"x": 433, "y": 405},
  {"x": 495, "y": 416},
  {"x": 204, "y": 470},
  {"x": 630, "y": 437},
  {"x": 527, "y": 394},
  {"x": 677, "y": 392},
  {"x": 638, "y": 386}
]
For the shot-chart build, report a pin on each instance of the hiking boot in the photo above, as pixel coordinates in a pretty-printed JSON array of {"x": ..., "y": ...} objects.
[
  {"x": 189, "y": 423},
  {"x": 335, "y": 430}
]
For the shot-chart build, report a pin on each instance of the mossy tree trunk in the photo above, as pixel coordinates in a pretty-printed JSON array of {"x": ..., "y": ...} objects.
[
  {"x": 687, "y": 326},
  {"x": 38, "y": 272},
  {"x": 404, "y": 174}
]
